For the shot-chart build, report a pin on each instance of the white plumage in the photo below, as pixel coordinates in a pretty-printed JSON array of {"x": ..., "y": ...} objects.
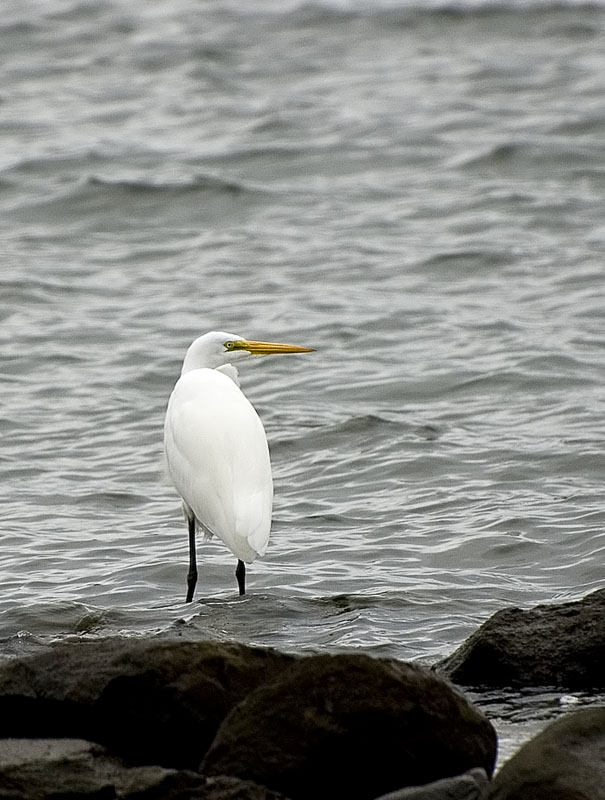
[
  {"x": 217, "y": 452},
  {"x": 219, "y": 460}
]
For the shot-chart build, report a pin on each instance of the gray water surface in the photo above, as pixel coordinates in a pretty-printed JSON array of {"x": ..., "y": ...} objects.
[{"x": 417, "y": 192}]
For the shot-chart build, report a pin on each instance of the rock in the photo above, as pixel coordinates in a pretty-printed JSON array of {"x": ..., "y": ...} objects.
[
  {"x": 290, "y": 723},
  {"x": 37, "y": 769},
  {"x": 151, "y": 702},
  {"x": 470, "y": 786},
  {"x": 564, "y": 762},
  {"x": 225, "y": 788},
  {"x": 351, "y": 726},
  {"x": 550, "y": 645},
  {"x": 34, "y": 769}
]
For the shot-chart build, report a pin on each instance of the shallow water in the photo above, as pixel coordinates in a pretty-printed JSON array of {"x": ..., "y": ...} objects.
[{"x": 418, "y": 193}]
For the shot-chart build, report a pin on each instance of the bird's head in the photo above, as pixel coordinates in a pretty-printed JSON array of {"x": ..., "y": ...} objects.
[{"x": 217, "y": 348}]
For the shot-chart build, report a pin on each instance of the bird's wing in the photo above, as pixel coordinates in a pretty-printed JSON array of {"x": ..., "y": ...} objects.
[{"x": 218, "y": 458}]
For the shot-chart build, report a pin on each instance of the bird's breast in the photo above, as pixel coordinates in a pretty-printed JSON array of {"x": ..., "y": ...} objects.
[{"x": 218, "y": 458}]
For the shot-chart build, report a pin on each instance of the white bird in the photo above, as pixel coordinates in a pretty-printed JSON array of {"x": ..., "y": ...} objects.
[{"x": 217, "y": 452}]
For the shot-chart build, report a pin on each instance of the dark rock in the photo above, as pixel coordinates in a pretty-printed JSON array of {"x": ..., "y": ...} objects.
[
  {"x": 34, "y": 769},
  {"x": 151, "y": 702},
  {"x": 351, "y": 726},
  {"x": 470, "y": 786},
  {"x": 564, "y": 762},
  {"x": 550, "y": 645},
  {"x": 38, "y": 769},
  {"x": 225, "y": 788}
]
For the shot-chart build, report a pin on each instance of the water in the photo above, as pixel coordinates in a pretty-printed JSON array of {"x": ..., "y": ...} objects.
[{"x": 417, "y": 192}]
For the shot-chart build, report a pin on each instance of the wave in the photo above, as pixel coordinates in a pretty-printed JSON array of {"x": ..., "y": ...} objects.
[
  {"x": 23, "y": 21},
  {"x": 90, "y": 196},
  {"x": 319, "y": 10},
  {"x": 524, "y": 154},
  {"x": 145, "y": 182},
  {"x": 195, "y": 183}
]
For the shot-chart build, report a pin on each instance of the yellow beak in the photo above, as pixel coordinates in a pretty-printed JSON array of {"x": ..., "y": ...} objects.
[{"x": 269, "y": 348}]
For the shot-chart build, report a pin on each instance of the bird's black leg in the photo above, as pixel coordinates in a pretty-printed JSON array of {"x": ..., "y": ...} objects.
[
  {"x": 192, "y": 574},
  {"x": 240, "y": 574}
]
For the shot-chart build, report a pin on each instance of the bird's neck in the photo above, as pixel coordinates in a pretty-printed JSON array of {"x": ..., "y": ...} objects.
[
  {"x": 227, "y": 369},
  {"x": 230, "y": 371}
]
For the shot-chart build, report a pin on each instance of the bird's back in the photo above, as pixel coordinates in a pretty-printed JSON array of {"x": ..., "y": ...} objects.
[{"x": 218, "y": 458}]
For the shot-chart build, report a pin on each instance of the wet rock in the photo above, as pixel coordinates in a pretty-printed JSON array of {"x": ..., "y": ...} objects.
[
  {"x": 151, "y": 702},
  {"x": 470, "y": 786},
  {"x": 564, "y": 762},
  {"x": 37, "y": 769},
  {"x": 225, "y": 788},
  {"x": 34, "y": 769},
  {"x": 351, "y": 726},
  {"x": 550, "y": 645}
]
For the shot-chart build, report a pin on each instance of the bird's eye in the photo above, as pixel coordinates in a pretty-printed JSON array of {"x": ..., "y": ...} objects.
[{"x": 229, "y": 345}]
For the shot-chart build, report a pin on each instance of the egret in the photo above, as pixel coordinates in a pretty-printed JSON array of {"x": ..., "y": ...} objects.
[{"x": 217, "y": 452}]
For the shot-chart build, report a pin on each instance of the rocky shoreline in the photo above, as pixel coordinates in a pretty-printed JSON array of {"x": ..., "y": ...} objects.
[{"x": 166, "y": 718}]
